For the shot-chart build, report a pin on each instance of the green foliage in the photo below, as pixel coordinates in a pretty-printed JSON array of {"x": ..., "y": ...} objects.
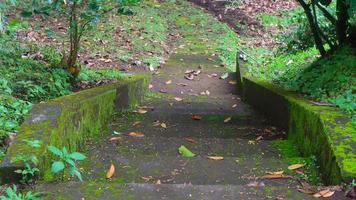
[
  {"x": 87, "y": 74},
  {"x": 11, "y": 193},
  {"x": 300, "y": 37},
  {"x": 327, "y": 79},
  {"x": 30, "y": 162},
  {"x": 66, "y": 162}
]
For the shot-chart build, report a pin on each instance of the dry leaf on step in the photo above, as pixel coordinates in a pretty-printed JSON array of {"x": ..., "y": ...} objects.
[
  {"x": 215, "y": 157},
  {"x": 111, "y": 171},
  {"x": 190, "y": 140},
  {"x": 115, "y": 139},
  {"x": 168, "y": 82},
  {"x": 324, "y": 193},
  {"x": 141, "y": 111},
  {"x": 163, "y": 125},
  {"x": 276, "y": 173},
  {"x": 227, "y": 120},
  {"x": 196, "y": 117},
  {"x": 136, "y": 123},
  {"x": 136, "y": 134},
  {"x": 178, "y": 99}
]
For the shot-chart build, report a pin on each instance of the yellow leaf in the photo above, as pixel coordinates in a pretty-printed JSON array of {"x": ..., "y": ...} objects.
[
  {"x": 227, "y": 120},
  {"x": 110, "y": 172},
  {"x": 136, "y": 134},
  {"x": 295, "y": 166},
  {"x": 215, "y": 157},
  {"x": 163, "y": 125}
]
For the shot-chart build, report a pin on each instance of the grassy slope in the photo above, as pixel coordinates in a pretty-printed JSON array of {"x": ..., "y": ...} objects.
[{"x": 330, "y": 80}]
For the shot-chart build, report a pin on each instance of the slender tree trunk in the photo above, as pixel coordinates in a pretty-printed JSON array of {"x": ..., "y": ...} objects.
[
  {"x": 314, "y": 28},
  {"x": 342, "y": 21}
]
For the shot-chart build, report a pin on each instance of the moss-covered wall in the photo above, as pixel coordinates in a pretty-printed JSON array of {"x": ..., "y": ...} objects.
[
  {"x": 68, "y": 121},
  {"x": 322, "y": 131}
]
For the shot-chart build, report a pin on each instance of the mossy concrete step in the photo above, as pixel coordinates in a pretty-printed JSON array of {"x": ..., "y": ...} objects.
[
  {"x": 181, "y": 170},
  {"x": 201, "y": 105},
  {"x": 185, "y": 126},
  {"x": 168, "y": 146},
  {"x": 108, "y": 190}
]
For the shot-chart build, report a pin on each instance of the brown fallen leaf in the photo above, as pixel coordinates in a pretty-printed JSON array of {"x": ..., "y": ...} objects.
[
  {"x": 178, "y": 99},
  {"x": 232, "y": 82},
  {"x": 295, "y": 166},
  {"x": 110, "y": 172},
  {"x": 190, "y": 140},
  {"x": 276, "y": 173},
  {"x": 196, "y": 117},
  {"x": 136, "y": 123},
  {"x": 256, "y": 184},
  {"x": 275, "y": 176},
  {"x": 136, "y": 134},
  {"x": 141, "y": 111},
  {"x": 182, "y": 84},
  {"x": 324, "y": 193},
  {"x": 215, "y": 157},
  {"x": 115, "y": 139},
  {"x": 168, "y": 82},
  {"x": 227, "y": 120}
]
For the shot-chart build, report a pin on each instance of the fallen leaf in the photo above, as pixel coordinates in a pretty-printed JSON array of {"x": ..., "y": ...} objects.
[
  {"x": 162, "y": 91},
  {"x": 197, "y": 117},
  {"x": 110, "y": 172},
  {"x": 136, "y": 134},
  {"x": 275, "y": 176},
  {"x": 233, "y": 82},
  {"x": 182, "y": 84},
  {"x": 170, "y": 104},
  {"x": 276, "y": 173},
  {"x": 168, "y": 82},
  {"x": 150, "y": 86},
  {"x": 163, "y": 125},
  {"x": 136, "y": 123},
  {"x": 141, "y": 111},
  {"x": 234, "y": 106},
  {"x": 215, "y": 157},
  {"x": 324, "y": 193},
  {"x": 158, "y": 182},
  {"x": 190, "y": 140},
  {"x": 295, "y": 166},
  {"x": 184, "y": 151},
  {"x": 227, "y": 120},
  {"x": 178, "y": 99},
  {"x": 207, "y": 92},
  {"x": 114, "y": 139},
  {"x": 147, "y": 179}
]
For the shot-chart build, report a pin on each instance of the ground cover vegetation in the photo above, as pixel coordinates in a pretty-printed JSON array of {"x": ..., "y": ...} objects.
[{"x": 308, "y": 47}]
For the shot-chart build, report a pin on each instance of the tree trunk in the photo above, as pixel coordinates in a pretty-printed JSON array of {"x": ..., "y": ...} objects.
[
  {"x": 342, "y": 21},
  {"x": 314, "y": 28}
]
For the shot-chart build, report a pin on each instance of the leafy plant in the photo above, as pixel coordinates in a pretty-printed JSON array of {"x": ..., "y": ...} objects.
[
  {"x": 30, "y": 162},
  {"x": 11, "y": 193},
  {"x": 66, "y": 162}
]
